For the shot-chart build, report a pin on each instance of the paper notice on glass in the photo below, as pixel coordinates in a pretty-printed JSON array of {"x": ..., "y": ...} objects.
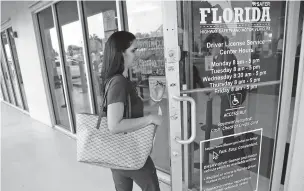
[
  {"x": 109, "y": 22},
  {"x": 157, "y": 87},
  {"x": 208, "y": 62}
]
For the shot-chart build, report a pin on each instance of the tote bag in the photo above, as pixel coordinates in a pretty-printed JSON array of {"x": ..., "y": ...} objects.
[{"x": 96, "y": 145}]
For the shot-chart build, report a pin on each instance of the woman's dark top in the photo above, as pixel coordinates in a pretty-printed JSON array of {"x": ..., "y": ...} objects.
[{"x": 118, "y": 91}]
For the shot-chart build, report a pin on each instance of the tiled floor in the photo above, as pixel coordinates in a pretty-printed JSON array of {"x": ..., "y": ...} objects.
[{"x": 35, "y": 157}]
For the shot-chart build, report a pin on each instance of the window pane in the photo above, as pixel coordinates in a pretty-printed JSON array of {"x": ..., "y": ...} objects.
[
  {"x": 74, "y": 59},
  {"x": 101, "y": 19},
  {"x": 52, "y": 61}
]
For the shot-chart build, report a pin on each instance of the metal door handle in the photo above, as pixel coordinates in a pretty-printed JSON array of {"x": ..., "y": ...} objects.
[{"x": 193, "y": 119}]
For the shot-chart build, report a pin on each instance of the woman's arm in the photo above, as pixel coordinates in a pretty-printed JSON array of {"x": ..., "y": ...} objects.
[{"x": 117, "y": 124}]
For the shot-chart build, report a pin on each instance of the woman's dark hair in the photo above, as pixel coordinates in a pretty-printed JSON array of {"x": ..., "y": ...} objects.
[
  {"x": 113, "y": 61},
  {"x": 215, "y": 37}
]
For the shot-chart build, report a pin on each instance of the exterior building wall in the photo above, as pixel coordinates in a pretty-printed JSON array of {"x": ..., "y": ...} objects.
[{"x": 35, "y": 89}]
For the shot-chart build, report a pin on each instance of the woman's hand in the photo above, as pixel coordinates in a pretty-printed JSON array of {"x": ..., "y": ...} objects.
[
  {"x": 157, "y": 92},
  {"x": 155, "y": 119},
  {"x": 211, "y": 95}
]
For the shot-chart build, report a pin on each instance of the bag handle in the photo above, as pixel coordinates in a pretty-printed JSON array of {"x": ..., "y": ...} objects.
[
  {"x": 128, "y": 107},
  {"x": 103, "y": 102}
]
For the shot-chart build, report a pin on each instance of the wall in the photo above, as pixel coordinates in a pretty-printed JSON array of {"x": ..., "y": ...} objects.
[{"x": 35, "y": 90}]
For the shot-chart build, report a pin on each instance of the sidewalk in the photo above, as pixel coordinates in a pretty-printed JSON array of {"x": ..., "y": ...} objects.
[{"x": 35, "y": 157}]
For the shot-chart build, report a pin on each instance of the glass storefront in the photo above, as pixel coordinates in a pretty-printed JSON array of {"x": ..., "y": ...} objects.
[
  {"x": 229, "y": 60},
  {"x": 11, "y": 69},
  {"x": 12, "y": 84}
]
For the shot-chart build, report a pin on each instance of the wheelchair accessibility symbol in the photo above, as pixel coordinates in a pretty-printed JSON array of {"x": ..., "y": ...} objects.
[{"x": 235, "y": 100}]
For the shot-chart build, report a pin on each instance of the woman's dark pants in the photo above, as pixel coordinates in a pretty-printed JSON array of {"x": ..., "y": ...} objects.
[{"x": 146, "y": 178}]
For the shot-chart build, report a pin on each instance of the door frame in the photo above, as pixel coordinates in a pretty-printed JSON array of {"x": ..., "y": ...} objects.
[
  {"x": 172, "y": 58},
  {"x": 287, "y": 72},
  {"x": 293, "y": 179}
]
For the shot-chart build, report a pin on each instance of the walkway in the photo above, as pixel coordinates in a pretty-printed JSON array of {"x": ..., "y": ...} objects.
[{"x": 35, "y": 157}]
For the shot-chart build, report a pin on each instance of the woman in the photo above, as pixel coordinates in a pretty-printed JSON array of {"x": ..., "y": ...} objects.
[{"x": 119, "y": 55}]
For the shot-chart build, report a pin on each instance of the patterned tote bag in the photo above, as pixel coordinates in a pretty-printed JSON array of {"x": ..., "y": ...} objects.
[{"x": 96, "y": 145}]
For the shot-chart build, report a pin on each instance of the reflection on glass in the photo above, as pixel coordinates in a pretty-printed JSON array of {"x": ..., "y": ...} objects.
[
  {"x": 11, "y": 94},
  {"x": 101, "y": 19},
  {"x": 226, "y": 54},
  {"x": 52, "y": 61},
  {"x": 18, "y": 71},
  {"x": 12, "y": 70},
  {"x": 145, "y": 21},
  {"x": 73, "y": 51}
]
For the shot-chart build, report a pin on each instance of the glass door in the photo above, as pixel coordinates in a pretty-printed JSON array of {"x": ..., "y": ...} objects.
[
  {"x": 225, "y": 59},
  {"x": 148, "y": 72},
  {"x": 236, "y": 53}
]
